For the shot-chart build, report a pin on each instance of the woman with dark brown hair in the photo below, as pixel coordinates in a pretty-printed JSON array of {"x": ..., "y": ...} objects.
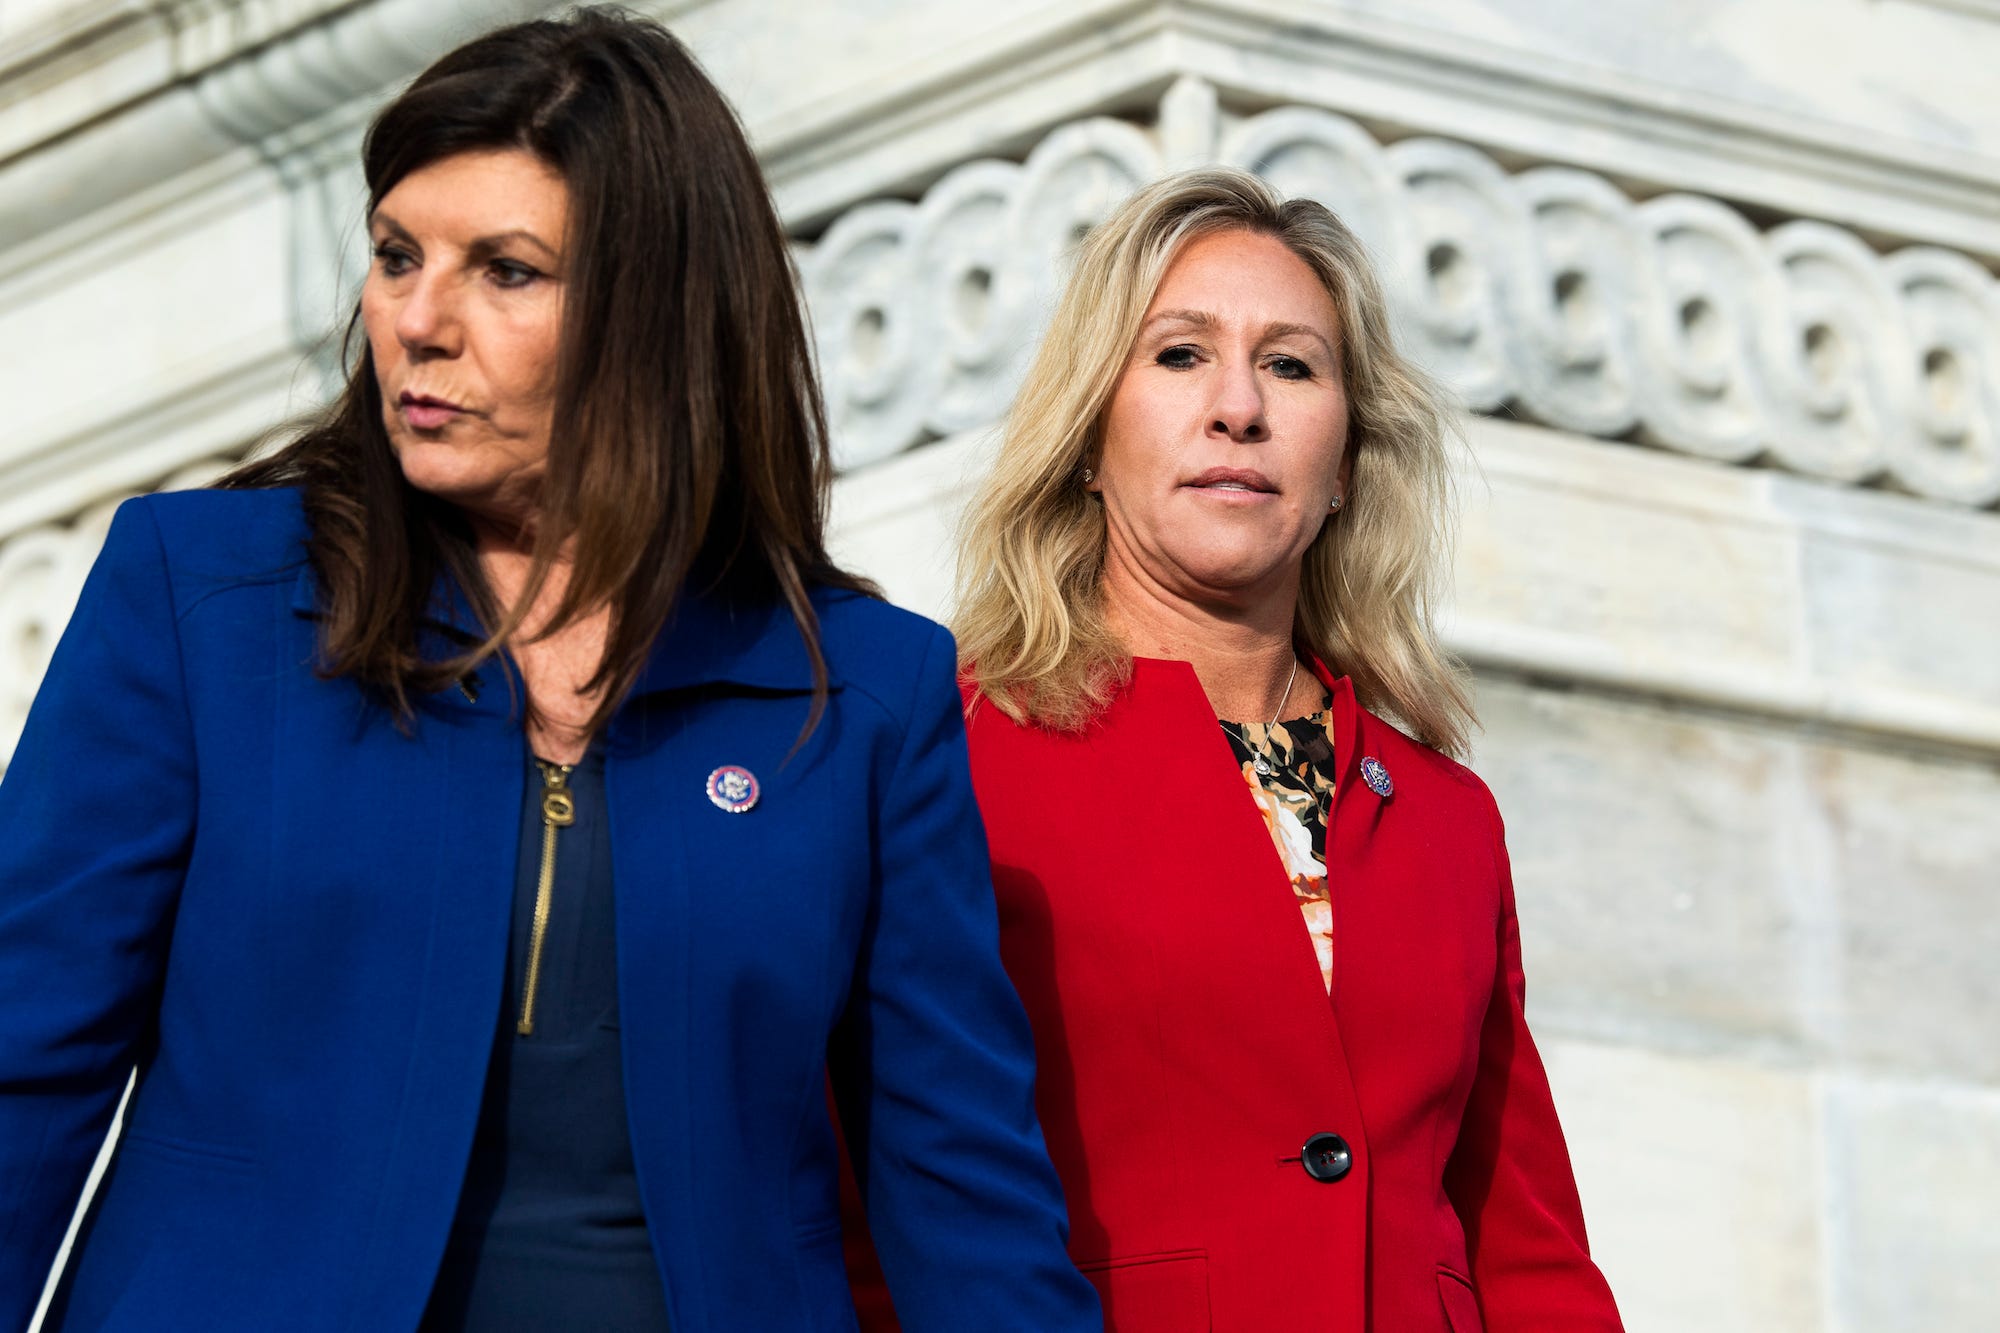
[{"x": 485, "y": 824}]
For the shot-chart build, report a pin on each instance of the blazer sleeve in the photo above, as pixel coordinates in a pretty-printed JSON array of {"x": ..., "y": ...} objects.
[
  {"x": 933, "y": 1067},
  {"x": 1509, "y": 1176},
  {"x": 96, "y": 818}
]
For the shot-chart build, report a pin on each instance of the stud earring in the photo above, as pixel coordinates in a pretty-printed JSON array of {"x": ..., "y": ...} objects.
[
  {"x": 1333, "y": 505},
  {"x": 1087, "y": 476}
]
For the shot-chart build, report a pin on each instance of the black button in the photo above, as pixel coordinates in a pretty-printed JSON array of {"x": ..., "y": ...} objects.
[{"x": 1327, "y": 1158}]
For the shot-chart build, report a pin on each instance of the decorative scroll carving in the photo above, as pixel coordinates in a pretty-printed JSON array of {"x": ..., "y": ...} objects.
[
  {"x": 1548, "y": 294},
  {"x": 926, "y": 313}
]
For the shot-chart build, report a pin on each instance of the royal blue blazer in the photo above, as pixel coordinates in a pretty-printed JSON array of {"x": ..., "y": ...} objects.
[{"x": 291, "y": 918}]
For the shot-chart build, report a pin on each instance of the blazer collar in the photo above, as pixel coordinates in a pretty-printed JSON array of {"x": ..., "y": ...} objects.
[
  {"x": 710, "y": 639},
  {"x": 450, "y": 609},
  {"x": 1346, "y": 709},
  {"x": 713, "y": 639},
  {"x": 1348, "y": 739},
  {"x": 1349, "y": 718}
]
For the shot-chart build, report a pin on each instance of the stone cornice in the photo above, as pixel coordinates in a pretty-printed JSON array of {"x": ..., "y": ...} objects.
[
  {"x": 128, "y": 95},
  {"x": 86, "y": 62},
  {"x": 184, "y": 84},
  {"x": 1399, "y": 78}
]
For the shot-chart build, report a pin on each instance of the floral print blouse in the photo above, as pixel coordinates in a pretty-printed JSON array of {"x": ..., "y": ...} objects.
[{"x": 1294, "y": 797}]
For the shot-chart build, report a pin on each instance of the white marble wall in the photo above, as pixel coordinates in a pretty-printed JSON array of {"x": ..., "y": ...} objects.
[{"x": 1717, "y": 275}]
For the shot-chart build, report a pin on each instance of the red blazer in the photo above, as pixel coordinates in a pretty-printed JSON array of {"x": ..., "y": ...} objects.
[{"x": 1187, "y": 1049}]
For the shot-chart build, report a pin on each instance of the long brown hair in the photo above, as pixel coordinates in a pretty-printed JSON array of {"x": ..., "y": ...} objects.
[{"x": 690, "y": 444}]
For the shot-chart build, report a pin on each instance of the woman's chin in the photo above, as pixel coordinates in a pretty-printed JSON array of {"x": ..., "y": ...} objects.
[
  {"x": 1234, "y": 577},
  {"x": 448, "y": 473}
]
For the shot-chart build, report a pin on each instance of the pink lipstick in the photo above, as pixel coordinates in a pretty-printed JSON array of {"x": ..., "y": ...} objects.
[
  {"x": 424, "y": 412},
  {"x": 1233, "y": 481}
]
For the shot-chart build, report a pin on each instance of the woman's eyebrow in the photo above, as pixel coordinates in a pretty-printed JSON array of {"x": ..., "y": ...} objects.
[
  {"x": 1202, "y": 320},
  {"x": 1285, "y": 329},
  {"x": 499, "y": 239},
  {"x": 1199, "y": 319},
  {"x": 380, "y": 219},
  {"x": 482, "y": 245}
]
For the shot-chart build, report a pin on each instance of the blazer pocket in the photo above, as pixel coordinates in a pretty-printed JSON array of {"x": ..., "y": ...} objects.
[
  {"x": 1461, "y": 1307},
  {"x": 1153, "y": 1293}
]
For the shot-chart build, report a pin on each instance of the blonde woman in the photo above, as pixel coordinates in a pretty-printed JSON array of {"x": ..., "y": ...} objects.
[{"x": 1265, "y": 937}]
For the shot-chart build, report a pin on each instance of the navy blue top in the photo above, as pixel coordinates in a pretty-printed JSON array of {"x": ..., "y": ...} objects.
[{"x": 550, "y": 1231}]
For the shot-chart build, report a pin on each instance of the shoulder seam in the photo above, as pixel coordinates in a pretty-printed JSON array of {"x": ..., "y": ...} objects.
[
  {"x": 283, "y": 573},
  {"x": 901, "y": 721},
  {"x": 234, "y": 585}
]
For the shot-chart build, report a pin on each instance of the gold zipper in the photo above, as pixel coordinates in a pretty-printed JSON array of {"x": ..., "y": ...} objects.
[{"x": 558, "y": 812}]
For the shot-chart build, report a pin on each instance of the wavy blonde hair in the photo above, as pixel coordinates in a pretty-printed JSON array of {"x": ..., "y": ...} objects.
[{"x": 1030, "y": 617}]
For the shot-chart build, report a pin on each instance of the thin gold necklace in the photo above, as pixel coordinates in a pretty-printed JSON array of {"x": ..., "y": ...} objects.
[{"x": 1262, "y": 762}]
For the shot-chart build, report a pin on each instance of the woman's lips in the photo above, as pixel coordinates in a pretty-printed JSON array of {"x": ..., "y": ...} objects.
[
  {"x": 1233, "y": 482},
  {"x": 428, "y": 413}
]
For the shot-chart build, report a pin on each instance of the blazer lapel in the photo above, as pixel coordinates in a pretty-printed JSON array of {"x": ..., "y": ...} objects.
[
  {"x": 1267, "y": 892},
  {"x": 475, "y": 756}
]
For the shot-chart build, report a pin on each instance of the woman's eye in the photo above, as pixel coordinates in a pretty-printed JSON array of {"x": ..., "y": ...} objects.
[
  {"x": 393, "y": 261},
  {"x": 1290, "y": 368},
  {"x": 1176, "y": 358},
  {"x": 512, "y": 273}
]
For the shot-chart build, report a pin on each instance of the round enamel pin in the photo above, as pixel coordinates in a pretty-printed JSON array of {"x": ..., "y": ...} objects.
[
  {"x": 733, "y": 788},
  {"x": 1376, "y": 776}
]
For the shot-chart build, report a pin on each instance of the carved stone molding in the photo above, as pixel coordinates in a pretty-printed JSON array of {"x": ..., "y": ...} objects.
[
  {"x": 1387, "y": 67},
  {"x": 1546, "y": 294},
  {"x": 221, "y": 76}
]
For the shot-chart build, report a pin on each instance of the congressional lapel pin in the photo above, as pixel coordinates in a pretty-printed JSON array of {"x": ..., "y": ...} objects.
[
  {"x": 1377, "y": 777},
  {"x": 733, "y": 788}
]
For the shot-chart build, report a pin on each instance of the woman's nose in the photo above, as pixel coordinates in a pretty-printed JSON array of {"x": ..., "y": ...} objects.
[
  {"x": 427, "y": 321},
  {"x": 1238, "y": 410}
]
